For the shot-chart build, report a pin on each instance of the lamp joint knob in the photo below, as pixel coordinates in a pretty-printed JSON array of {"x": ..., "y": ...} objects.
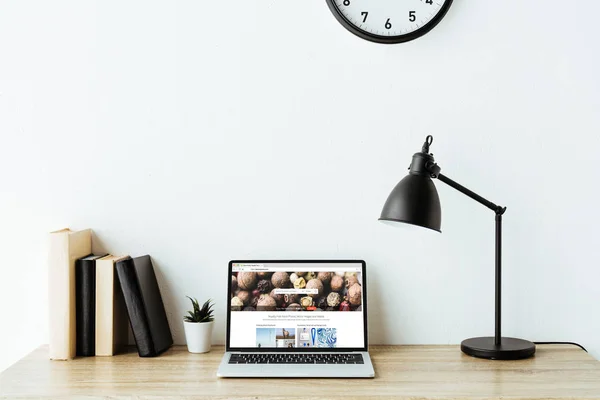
[{"x": 433, "y": 169}]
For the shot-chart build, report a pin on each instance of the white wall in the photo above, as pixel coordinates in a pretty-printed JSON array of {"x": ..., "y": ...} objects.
[{"x": 202, "y": 131}]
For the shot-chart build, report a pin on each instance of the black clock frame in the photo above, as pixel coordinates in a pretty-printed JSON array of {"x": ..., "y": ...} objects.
[{"x": 388, "y": 39}]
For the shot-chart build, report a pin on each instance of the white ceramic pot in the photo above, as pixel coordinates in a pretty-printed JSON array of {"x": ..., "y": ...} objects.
[{"x": 198, "y": 336}]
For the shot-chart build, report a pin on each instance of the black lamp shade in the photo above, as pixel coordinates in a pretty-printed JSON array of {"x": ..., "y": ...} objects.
[{"x": 414, "y": 201}]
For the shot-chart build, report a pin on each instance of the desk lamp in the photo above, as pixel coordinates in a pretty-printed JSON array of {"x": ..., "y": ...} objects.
[{"x": 415, "y": 201}]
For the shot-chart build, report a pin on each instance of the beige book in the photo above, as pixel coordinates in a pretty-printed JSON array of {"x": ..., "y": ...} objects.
[
  {"x": 112, "y": 324},
  {"x": 65, "y": 248}
]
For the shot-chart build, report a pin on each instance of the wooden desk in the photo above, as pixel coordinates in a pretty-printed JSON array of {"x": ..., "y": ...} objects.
[{"x": 409, "y": 372}]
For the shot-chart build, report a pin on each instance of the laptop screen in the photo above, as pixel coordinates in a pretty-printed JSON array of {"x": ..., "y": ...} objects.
[{"x": 297, "y": 305}]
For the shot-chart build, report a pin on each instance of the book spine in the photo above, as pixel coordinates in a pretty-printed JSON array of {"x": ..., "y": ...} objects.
[
  {"x": 58, "y": 297},
  {"x": 155, "y": 308},
  {"x": 105, "y": 326},
  {"x": 65, "y": 247},
  {"x": 138, "y": 318},
  {"x": 85, "y": 288}
]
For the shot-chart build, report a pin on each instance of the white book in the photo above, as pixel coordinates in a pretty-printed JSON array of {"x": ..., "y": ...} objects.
[
  {"x": 65, "y": 248},
  {"x": 112, "y": 324}
]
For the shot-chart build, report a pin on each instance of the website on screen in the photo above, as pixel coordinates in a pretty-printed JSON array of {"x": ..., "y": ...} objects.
[{"x": 297, "y": 305}]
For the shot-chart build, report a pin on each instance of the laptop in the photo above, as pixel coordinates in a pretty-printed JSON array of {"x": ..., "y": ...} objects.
[{"x": 297, "y": 318}]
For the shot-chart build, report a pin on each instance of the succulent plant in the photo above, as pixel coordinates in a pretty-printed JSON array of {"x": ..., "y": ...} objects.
[
  {"x": 200, "y": 314},
  {"x": 280, "y": 279},
  {"x": 315, "y": 284},
  {"x": 325, "y": 277},
  {"x": 264, "y": 286},
  {"x": 247, "y": 280},
  {"x": 266, "y": 303},
  {"x": 355, "y": 294},
  {"x": 334, "y": 299},
  {"x": 337, "y": 283},
  {"x": 299, "y": 283}
]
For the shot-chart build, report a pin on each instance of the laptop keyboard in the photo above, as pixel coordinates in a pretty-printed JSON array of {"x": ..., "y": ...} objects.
[{"x": 296, "y": 358}]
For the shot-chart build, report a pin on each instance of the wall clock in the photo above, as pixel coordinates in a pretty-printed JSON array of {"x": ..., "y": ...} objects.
[{"x": 389, "y": 21}]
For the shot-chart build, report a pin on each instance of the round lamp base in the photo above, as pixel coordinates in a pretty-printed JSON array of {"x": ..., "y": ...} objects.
[{"x": 509, "y": 348}]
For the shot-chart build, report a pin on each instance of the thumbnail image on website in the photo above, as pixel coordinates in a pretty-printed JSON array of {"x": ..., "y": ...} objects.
[{"x": 297, "y": 305}]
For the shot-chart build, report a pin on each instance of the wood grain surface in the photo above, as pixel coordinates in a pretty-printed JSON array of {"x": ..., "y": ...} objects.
[{"x": 402, "y": 372}]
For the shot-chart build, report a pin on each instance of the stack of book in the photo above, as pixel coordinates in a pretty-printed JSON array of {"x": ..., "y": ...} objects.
[{"x": 94, "y": 299}]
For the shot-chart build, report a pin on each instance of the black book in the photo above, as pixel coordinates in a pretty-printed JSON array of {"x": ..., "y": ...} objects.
[
  {"x": 85, "y": 305},
  {"x": 145, "y": 307}
]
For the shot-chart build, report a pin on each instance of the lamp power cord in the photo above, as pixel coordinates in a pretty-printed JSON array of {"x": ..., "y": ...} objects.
[{"x": 572, "y": 343}]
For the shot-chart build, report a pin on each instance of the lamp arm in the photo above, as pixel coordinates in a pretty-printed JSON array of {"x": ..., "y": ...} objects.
[
  {"x": 423, "y": 163},
  {"x": 499, "y": 210}
]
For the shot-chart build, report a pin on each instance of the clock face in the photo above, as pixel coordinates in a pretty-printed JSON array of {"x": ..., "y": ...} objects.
[{"x": 389, "y": 21}]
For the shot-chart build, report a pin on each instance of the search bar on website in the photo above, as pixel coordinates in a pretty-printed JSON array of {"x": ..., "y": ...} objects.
[{"x": 296, "y": 291}]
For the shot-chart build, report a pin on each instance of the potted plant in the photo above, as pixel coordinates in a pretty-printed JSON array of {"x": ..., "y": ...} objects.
[{"x": 198, "y": 325}]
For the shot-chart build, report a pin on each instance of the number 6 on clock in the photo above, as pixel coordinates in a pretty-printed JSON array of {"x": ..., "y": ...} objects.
[{"x": 389, "y": 21}]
